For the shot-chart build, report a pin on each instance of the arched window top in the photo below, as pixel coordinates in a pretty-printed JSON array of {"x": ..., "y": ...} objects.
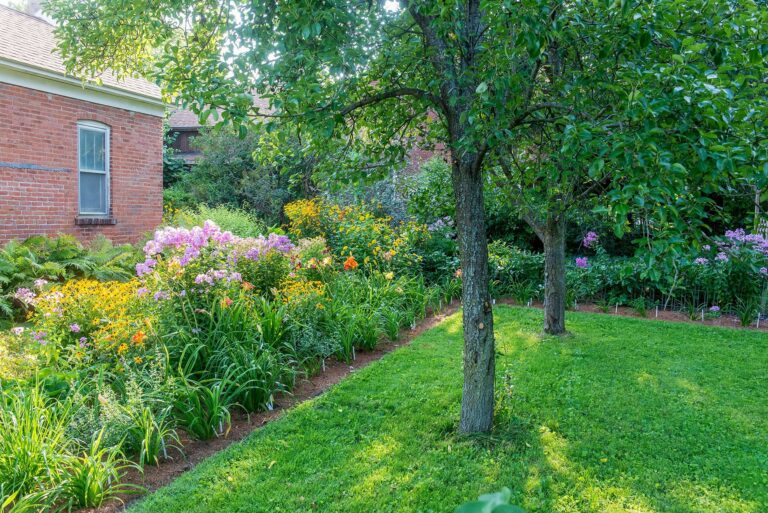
[{"x": 91, "y": 123}]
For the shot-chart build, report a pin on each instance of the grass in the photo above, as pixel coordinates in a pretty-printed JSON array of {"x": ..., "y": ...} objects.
[{"x": 627, "y": 415}]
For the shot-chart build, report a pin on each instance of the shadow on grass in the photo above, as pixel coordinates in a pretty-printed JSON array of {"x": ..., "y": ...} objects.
[{"x": 624, "y": 416}]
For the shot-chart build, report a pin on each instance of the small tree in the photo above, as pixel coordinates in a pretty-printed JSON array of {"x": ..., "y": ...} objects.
[{"x": 651, "y": 116}]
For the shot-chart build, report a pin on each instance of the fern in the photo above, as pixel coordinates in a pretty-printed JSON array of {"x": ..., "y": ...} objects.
[{"x": 58, "y": 259}]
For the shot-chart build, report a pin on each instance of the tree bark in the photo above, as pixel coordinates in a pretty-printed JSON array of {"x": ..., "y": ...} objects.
[
  {"x": 554, "y": 275},
  {"x": 479, "y": 349}
]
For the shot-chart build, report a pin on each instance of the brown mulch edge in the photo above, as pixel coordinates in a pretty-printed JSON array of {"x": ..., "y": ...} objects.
[
  {"x": 194, "y": 451},
  {"x": 725, "y": 321}
]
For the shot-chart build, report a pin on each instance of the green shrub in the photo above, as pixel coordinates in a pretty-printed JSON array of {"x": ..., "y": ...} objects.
[
  {"x": 238, "y": 221},
  {"x": 94, "y": 476},
  {"x": 203, "y": 410},
  {"x": 34, "y": 447}
]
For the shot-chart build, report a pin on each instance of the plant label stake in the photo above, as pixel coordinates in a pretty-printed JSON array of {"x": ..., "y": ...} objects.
[
  {"x": 617, "y": 308},
  {"x": 657, "y": 311},
  {"x": 702, "y": 315},
  {"x": 323, "y": 360},
  {"x": 758, "y": 321},
  {"x": 353, "y": 353}
]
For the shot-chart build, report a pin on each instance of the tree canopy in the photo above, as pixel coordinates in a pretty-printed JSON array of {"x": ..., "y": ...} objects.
[{"x": 652, "y": 101}]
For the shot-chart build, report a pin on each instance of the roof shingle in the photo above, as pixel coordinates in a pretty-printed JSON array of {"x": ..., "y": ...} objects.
[{"x": 28, "y": 40}]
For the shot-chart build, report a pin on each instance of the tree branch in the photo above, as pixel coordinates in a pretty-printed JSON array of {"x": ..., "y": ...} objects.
[{"x": 392, "y": 93}]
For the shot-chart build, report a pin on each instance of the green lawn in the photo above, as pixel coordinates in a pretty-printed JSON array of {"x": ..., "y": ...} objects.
[{"x": 628, "y": 415}]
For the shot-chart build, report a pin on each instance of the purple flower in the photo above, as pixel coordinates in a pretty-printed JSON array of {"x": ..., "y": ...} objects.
[
  {"x": 582, "y": 262},
  {"x": 145, "y": 267},
  {"x": 143, "y": 291},
  {"x": 203, "y": 278},
  {"x": 714, "y": 308},
  {"x": 18, "y": 330},
  {"x": 39, "y": 336},
  {"x": 182, "y": 293},
  {"x": 722, "y": 257},
  {"x": 764, "y": 270},
  {"x": 83, "y": 341},
  {"x": 701, "y": 261},
  {"x": 40, "y": 283},
  {"x": 160, "y": 295},
  {"x": 260, "y": 245},
  {"x": 74, "y": 328},
  {"x": 25, "y": 295},
  {"x": 589, "y": 239},
  {"x": 706, "y": 247}
]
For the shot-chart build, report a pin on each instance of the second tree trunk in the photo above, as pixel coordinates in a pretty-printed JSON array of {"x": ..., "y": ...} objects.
[{"x": 554, "y": 276}]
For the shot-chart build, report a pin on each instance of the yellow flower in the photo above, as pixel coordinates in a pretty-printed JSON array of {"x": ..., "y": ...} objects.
[
  {"x": 122, "y": 349},
  {"x": 390, "y": 275},
  {"x": 137, "y": 360}
]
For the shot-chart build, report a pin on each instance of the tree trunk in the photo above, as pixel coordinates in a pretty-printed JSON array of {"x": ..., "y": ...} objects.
[
  {"x": 479, "y": 350},
  {"x": 554, "y": 276}
]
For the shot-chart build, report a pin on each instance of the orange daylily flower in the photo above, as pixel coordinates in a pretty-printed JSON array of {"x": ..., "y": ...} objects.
[{"x": 350, "y": 263}]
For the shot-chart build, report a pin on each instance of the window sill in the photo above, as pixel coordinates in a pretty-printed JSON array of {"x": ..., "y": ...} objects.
[{"x": 94, "y": 220}]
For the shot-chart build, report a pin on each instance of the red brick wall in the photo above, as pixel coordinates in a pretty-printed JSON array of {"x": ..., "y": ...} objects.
[{"x": 40, "y": 129}]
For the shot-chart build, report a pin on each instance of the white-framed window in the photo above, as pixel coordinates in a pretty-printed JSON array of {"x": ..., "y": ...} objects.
[{"x": 93, "y": 168}]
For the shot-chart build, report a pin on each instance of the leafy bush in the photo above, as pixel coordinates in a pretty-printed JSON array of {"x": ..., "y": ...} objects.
[
  {"x": 262, "y": 172},
  {"x": 430, "y": 197},
  {"x": 515, "y": 272},
  {"x": 238, "y": 221}
]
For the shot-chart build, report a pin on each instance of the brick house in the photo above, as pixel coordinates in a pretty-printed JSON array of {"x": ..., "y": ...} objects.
[{"x": 75, "y": 158}]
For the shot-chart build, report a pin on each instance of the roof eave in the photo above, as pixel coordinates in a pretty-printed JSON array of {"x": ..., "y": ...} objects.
[{"x": 14, "y": 69}]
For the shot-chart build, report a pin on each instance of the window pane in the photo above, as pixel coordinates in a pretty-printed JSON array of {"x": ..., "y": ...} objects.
[
  {"x": 93, "y": 193},
  {"x": 92, "y": 149}
]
